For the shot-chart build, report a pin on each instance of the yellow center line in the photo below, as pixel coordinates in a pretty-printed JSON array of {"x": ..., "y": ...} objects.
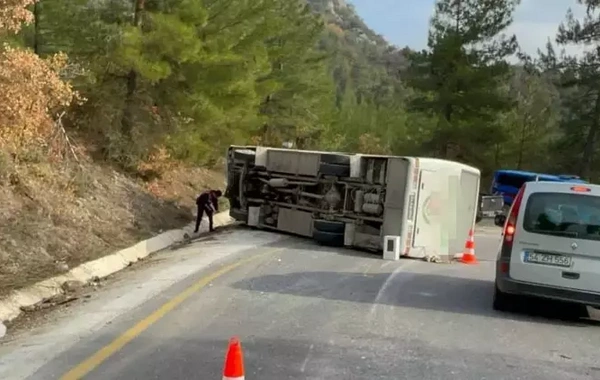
[{"x": 104, "y": 353}]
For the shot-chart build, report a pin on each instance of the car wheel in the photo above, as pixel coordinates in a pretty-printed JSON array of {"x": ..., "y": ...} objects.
[
  {"x": 329, "y": 226},
  {"x": 499, "y": 220},
  {"x": 478, "y": 218},
  {"x": 328, "y": 238},
  {"x": 335, "y": 170},
  {"x": 584, "y": 312},
  {"x": 502, "y": 301},
  {"x": 575, "y": 311}
]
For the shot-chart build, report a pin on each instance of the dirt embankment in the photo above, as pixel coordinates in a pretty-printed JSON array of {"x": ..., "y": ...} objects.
[{"x": 54, "y": 216}]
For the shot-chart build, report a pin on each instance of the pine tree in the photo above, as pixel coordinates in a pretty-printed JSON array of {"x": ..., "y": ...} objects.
[
  {"x": 298, "y": 96},
  {"x": 458, "y": 78},
  {"x": 579, "y": 79}
]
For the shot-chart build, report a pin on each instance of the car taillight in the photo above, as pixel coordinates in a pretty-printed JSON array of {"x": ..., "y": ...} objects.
[
  {"x": 510, "y": 227},
  {"x": 581, "y": 189},
  {"x": 511, "y": 222}
]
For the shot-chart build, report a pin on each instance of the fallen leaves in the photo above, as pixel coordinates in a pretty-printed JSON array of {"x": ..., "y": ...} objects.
[{"x": 14, "y": 13}]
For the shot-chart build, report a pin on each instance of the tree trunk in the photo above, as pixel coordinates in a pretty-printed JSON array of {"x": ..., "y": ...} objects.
[
  {"x": 590, "y": 143},
  {"x": 36, "y": 28},
  {"x": 497, "y": 155},
  {"x": 127, "y": 120},
  {"x": 522, "y": 143},
  {"x": 448, "y": 111}
]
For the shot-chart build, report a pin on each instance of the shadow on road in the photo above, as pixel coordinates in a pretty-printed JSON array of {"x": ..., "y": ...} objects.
[
  {"x": 295, "y": 241},
  {"x": 303, "y": 243},
  {"x": 275, "y": 358},
  {"x": 406, "y": 289},
  {"x": 425, "y": 291}
]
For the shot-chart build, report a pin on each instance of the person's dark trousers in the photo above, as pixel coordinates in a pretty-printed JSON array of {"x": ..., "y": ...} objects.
[{"x": 209, "y": 214}]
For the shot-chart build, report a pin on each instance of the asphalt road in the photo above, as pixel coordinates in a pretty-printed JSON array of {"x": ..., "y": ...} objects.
[{"x": 302, "y": 312}]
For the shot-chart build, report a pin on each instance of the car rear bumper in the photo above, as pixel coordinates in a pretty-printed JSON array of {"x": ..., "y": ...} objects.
[{"x": 508, "y": 285}]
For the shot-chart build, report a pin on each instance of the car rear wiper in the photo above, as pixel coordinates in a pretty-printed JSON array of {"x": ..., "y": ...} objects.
[{"x": 557, "y": 233}]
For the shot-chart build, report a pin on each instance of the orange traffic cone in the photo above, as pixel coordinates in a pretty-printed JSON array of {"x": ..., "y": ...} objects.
[
  {"x": 468, "y": 256},
  {"x": 234, "y": 362}
]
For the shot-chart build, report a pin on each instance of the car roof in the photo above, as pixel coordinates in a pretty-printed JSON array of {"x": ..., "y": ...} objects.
[{"x": 562, "y": 187}]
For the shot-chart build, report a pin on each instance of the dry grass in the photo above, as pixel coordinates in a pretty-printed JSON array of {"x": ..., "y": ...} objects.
[{"x": 56, "y": 216}]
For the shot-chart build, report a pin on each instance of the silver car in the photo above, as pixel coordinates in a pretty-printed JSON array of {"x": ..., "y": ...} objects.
[{"x": 550, "y": 246}]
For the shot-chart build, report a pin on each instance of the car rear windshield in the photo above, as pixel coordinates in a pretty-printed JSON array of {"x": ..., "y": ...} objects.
[
  {"x": 515, "y": 181},
  {"x": 563, "y": 214}
]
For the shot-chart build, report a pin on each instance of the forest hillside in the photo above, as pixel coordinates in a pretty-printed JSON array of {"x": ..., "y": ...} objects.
[{"x": 115, "y": 114}]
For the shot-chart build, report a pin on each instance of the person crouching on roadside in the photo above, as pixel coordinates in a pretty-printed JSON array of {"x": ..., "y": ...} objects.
[{"x": 207, "y": 202}]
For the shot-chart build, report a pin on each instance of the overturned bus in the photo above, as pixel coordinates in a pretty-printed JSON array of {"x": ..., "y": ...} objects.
[{"x": 403, "y": 206}]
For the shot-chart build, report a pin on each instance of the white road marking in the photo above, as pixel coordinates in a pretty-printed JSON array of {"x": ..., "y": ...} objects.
[
  {"x": 308, "y": 355},
  {"x": 386, "y": 284}
]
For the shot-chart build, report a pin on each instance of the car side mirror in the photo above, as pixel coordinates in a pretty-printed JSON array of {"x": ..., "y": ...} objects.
[{"x": 499, "y": 220}]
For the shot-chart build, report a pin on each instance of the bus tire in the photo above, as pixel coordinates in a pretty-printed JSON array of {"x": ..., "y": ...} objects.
[
  {"x": 328, "y": 238},
  {"x": 329, "y": 226},
  {"x": 335, "y": 170}
]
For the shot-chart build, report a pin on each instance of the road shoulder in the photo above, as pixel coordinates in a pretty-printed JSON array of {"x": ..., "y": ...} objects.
[{"x": 29, "y": 349}]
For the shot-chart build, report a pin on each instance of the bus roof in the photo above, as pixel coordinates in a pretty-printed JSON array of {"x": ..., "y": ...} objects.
[{"x": 523, "y": 173}]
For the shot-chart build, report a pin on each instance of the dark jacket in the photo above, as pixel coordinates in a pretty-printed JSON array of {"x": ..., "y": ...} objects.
[{"x": 209, "y": 200}]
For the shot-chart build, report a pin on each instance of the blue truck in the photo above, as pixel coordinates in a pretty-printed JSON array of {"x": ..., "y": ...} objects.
[{"x": 506, "y": 183}]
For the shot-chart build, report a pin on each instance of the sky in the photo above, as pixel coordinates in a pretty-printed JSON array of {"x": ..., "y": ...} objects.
[{"x": 405, "y": 22}]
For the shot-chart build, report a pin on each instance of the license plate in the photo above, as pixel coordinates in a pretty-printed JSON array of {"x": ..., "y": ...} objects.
[{"x": 547, "y": 258}]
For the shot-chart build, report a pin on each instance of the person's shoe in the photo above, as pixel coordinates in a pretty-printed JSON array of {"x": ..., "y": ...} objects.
[{"x": 195, "y": 231}]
